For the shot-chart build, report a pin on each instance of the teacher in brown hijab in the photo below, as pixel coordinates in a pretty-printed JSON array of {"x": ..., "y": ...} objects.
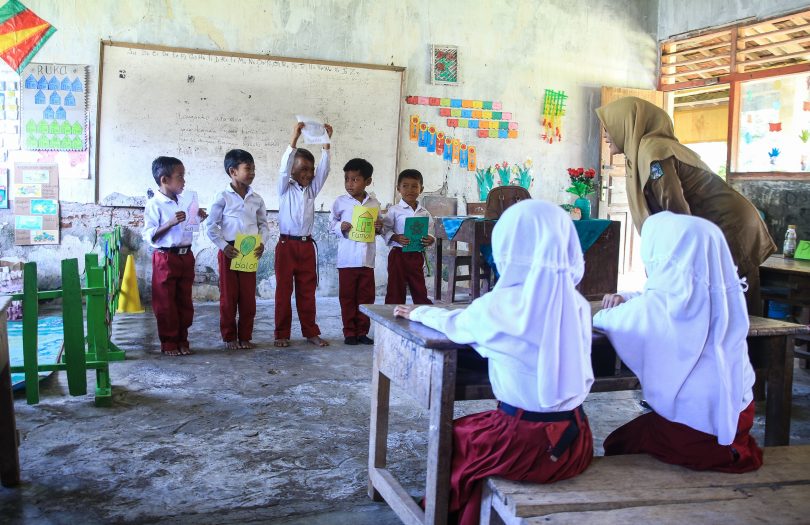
[{"x": 663, "y": 174}]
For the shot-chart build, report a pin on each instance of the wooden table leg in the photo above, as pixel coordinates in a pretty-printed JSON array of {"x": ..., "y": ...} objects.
[
  {"x": 779, "y": 395},
  {"x": 437, "y": 278},
  {"x": 9, "y": 458},
  {"x": 440, "y": 435},
  {"x": 378, "y": 440},
  {"x": 475, "y": 267}
]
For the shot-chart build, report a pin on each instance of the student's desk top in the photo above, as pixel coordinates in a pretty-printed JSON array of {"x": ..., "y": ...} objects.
[
  {"x": 434, "y": 371},
  {"x": 786, "y": 265}
]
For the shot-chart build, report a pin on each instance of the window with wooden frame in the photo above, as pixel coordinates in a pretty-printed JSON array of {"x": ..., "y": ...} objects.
[{"x": 755, "y": 75}]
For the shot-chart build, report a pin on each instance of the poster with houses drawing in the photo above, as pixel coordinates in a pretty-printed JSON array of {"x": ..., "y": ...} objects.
[
  {"x": 36, "y": 204},
  {"x": 53, "y": 107}
]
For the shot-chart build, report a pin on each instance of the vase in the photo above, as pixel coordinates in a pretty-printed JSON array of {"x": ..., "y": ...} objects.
[{"x": 585, "y": 205}]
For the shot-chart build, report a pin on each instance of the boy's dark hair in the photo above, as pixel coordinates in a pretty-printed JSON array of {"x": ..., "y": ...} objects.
[
  {"x": 411, "y": 174},
  {"x": 164, "y": 167},
  {"x": 305, "y": 154},
  {"x": 235, "y": 157},
  {"x": 362, "y": 165}
]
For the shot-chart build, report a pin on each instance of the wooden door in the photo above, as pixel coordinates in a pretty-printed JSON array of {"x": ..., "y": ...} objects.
[{"x": 613, "y": 203}]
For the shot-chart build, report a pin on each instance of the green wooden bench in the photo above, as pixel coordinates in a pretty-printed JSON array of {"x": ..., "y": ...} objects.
[{"x": 640, "y": 489}]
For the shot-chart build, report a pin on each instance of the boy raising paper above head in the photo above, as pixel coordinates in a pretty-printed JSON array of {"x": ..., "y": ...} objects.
[
  {"x": 355, "y": 258},
  {"x": 296, "y": 262}
]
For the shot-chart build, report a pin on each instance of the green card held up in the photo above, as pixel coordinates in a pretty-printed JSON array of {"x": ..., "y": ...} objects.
[
  {"x": 246, "y": 245},
  {"x": 363, "y": 220},
  {"x": 415, "y": 229},
  {"x": 803, "y": 251}
]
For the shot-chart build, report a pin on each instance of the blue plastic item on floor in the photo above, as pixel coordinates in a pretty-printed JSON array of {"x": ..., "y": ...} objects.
[{"x": 50, "y": 338}]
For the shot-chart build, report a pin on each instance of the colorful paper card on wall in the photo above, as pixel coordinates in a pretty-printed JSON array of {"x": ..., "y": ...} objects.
[
  {"x": 415, "y": 229},
  {"x": 413, "y": 130},
  {"x": 53, "y": 106},
  {"x": 22, "y": 34},
  {"x": 3, "y": 189},
  {"x": 36, "y": 204},
  {"x": 246, "y": 245},
  {"x": 363, "y": 220}
]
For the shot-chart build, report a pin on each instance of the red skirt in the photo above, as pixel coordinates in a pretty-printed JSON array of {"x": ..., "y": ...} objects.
[
  {"x": 496, "y": 444},
  {"x": 680, "y": 444}
]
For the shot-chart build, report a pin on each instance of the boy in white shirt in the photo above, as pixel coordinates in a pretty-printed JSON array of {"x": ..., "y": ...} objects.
[
  {"x": 405, "y": 268},
  {"x": 172, "y": 260},
  {"x": 296, "y": 263},
  {"x": 355, "y": 260},
  {"x": 237, "y": 209}
]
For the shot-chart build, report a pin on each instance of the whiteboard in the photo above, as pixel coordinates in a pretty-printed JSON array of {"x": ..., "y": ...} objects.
[{"x": 196, "y": 105}]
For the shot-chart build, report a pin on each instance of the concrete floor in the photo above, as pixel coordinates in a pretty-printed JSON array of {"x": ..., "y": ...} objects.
[{"x": 261, "y": 436}]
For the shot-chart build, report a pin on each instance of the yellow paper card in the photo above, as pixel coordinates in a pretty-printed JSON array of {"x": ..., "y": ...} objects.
[
  {"x": 246, "y": 245},
  {"x": 363, "y": 220}
]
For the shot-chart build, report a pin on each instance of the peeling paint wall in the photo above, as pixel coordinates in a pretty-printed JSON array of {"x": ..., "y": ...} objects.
[{"x": 511, "y": 50}]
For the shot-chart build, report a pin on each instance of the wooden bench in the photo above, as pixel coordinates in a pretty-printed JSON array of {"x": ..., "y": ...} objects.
[{"x": 640, "y": 489}]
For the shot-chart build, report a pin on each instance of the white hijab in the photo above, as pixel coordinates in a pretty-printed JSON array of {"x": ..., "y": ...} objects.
[
  {"x": 534, "y": 326},
  {"x": 685, "y": 336}
]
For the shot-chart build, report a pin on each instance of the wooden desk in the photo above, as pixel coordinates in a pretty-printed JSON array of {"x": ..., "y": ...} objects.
[
  {"x": 9, "y": 459},
  {"x": 601, "y": 259},
  {"x": 436, "y": 372},
  {"x": 789, "y": 275}
]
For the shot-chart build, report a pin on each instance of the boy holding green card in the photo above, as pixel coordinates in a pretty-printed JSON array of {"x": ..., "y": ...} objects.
[
  {"x": 238, "y": 215},
  {"x": 406, "y": 228}
]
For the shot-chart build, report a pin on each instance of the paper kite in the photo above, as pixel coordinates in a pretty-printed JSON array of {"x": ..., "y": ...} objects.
[{"x": 22, "y": 34}]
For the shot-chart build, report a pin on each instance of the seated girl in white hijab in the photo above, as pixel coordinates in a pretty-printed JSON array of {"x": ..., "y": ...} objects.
[
  {"x": 685, "y": 339},
  {"x": 535, "y": 328}
]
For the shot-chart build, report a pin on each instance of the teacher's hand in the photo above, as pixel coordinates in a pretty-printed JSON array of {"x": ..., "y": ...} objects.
[{"x": 404, "y": 310}]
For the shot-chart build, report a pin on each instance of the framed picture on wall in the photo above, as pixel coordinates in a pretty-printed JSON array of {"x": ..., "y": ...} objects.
[{"x": 444, "y": 64}]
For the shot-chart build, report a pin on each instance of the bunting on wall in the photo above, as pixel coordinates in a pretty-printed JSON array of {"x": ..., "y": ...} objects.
[
  {"x": 437, "y": 142},
  {"x": 22, "y": 34}
]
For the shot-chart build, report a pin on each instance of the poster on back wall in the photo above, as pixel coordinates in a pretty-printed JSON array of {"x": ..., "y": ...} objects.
[
  {"x": 36, "y": 204},
  {"x": 53, "y": 107}
]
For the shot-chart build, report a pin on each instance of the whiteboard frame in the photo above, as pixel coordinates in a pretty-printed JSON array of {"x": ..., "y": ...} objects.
[{"x": 172, "y": 49}]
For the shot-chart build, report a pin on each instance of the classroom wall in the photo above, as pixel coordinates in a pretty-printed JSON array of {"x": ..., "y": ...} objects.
[
  {"x": 511, "y": 50},
  {"x": 681, "y": 16}
]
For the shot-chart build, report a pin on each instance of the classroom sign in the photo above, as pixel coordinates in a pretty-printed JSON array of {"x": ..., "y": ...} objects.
[
  {"x": 363, "y": 220},
  {"x": 36, "y": 204},
  {"x": 53, "y": 107},
  {"x": 415, "y": 229},
  {"x": 246, "y": 245}
]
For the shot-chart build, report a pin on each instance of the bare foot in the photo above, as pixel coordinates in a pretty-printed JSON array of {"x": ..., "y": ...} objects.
[
  {"x": 283, "y": 343},
  {"x": 172, "y": 352},
  {"x": 317, "y": 341},
  {"x": 247, "y": 345},
  {"x": 231, "y": 345},
  {"x": 185, "y": 350}
]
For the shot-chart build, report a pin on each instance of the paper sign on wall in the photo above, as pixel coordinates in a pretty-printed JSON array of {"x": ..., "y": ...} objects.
[
  {"x": 246, "y": 245},
  {"x": 415, "y": 229},
  {"x": 363, "y": 220},
  {"x": 36, "y": 204}
]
